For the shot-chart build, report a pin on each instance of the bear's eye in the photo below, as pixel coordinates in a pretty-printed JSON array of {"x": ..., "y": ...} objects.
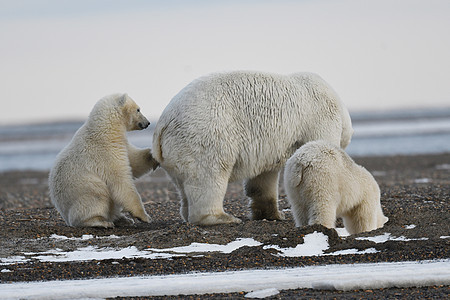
[{"x": 138, "y": 110}]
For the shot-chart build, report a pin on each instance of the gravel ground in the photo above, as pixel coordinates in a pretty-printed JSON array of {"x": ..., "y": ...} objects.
[{"x": 415, "y": 191}]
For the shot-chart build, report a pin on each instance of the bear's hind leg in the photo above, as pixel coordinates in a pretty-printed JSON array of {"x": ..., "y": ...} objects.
[
  {"x": 361, "y": 218},
  {"x": 92, "y": 208},
  {"x": 184, "y": 207},
  {"x": 263, "y": 191},
  {"x": 322, "y": 211},
  {"x": 205, "y": 199},
  {"x": 299, "y": 209}
]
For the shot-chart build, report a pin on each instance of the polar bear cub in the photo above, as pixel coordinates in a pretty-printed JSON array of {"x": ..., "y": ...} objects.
[
  {"x": 242, "y": 125},
  {"x": 91, "y": 182},
  {"x": 323, "y": 183}
]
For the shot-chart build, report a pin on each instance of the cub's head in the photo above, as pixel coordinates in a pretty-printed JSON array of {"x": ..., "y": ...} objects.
[{"x": 131, "y": 114}]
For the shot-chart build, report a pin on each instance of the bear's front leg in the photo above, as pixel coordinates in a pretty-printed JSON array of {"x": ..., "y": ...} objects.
[
  {"x": 263, "y": 191},
  {"x": 141, "y": 160},
  {"x": 124, "y": 193}
]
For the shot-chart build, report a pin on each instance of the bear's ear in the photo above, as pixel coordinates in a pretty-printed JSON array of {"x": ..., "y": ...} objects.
[{"x": 123, "y": 100}]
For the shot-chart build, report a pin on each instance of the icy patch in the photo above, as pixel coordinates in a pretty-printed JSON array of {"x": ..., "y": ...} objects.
[
  {"x": 353, "y": 251},
  {"x": 412, "y": 226},
  {"x": 201, "y": 247},
  {"x": 444, "y": 236},
  {"x": 263, "y": 293},
  {"x": 314, "y": 244},
  {"x": 422, "y": 180},
  {"x": 388, "y": 237},
  {"x": 94, "y": 253},
  {"x": 13, "y": 260},
  {"x": 443, "y": 167},
  {"x": 84, "y": 237},
  {"x": 338, "y": 277}
]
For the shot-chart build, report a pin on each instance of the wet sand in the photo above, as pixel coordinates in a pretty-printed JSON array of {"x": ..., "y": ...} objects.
[{"x": 415, "y": 190}]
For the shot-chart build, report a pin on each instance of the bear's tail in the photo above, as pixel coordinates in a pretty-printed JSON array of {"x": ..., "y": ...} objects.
[{"x": 157, "y": 148}]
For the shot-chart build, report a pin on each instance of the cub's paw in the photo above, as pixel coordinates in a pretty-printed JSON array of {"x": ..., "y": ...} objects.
[
  {"x": 143, "y": 217},
  {"x": 98, "y": 221},
  {"x": 124, "y": 221}
]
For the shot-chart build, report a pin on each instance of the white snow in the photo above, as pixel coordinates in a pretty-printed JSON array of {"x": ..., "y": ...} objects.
[
  {"x": 13, "y": 260},
  {"x": 202, "y": 247},
  {"x": 260, "y": 294},
  {"x": 388, "y": 237},
  {"x": 443, "y": 167},
  {"x": 5, "y": 271},
  {"x": 353, "y": 251},
  {"x": 84, "y": 237},
  {"x": 340, "y": 277},
  {"x": 95, "y": 253},
  {"x": 313, "y": 244},
  {"x": 422, "y": 180},
  {"x": 412, "y": 226}
]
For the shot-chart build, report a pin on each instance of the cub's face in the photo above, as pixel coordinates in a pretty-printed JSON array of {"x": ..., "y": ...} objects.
[{"x": 134, "y": 119}]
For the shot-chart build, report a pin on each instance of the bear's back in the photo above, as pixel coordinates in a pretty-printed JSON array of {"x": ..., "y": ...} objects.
[{"x": 252, "y": 106}]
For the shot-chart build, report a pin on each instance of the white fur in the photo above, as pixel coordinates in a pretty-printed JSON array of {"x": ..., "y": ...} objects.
[
  {"x": 242, "y": 125},
  {"x": 91, "y": 181},
  {"x": 323, "y": 183}
]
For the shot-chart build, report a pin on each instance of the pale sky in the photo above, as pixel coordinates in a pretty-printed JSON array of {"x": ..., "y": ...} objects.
[{"x": 58, "y": 57}]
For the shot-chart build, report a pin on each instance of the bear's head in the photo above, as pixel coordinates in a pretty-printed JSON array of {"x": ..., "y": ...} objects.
[
  {"x": 117, "y": 110},
  {"x": 131, "y": 114}
]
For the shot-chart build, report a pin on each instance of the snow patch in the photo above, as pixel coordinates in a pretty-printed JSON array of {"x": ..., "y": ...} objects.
[
  {"x": 443, "y": 167},
  {"x": 263, "y": 293},
  {"x": 94, "y": 253},
  {"x": 412, "y": 226},
  {"x": 422, "y": 180},
  {"x": 13, "y": 260},
  {"x": 202, "y": 247},
  {"x": 353, "y": 251},
  {"x": 336, "y": 277},
  {"x": 313, "y": 244},
  {"x": 388, "y": 237},
  {"x": 5, "y": 271},
  {"x": 84, "y": 237}
]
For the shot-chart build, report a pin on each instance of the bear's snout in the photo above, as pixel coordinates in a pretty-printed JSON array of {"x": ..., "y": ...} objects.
[{"x": 143, "y": 125}]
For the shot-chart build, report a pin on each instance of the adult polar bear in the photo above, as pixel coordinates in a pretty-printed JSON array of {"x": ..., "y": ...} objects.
[{"x": 242, "y": 125}]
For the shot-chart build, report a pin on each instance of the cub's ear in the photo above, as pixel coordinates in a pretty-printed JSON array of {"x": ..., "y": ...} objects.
[{"x": 123, "y": 99}]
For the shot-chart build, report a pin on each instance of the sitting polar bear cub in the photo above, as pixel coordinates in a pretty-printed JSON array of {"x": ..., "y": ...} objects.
[
  {"x": 242, "y": 126},
  {"x": 323, "y": 183},
  {"x": 92, "y": 178}
]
